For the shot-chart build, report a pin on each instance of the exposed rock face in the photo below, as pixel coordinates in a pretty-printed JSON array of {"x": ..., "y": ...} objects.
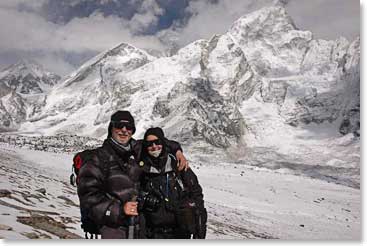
[{"x": 12, "y": 110}]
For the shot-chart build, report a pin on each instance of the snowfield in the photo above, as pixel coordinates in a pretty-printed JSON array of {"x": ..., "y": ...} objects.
[{"x": 243, "y": 202}]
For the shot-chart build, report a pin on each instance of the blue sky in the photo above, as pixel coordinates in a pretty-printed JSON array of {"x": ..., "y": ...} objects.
[{"x": 61, "y": 34}]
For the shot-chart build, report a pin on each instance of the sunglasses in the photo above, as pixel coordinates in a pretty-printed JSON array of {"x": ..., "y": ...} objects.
[
  {"x": 150, "y": 143},
  {"x": 122, "y": 124}
]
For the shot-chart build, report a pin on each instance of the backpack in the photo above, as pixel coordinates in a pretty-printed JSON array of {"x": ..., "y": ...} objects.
[{"x": 79, "y": 160}]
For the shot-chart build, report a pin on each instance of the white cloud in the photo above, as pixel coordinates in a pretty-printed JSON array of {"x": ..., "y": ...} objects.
[
  {"x": 55, "y": 63},
  {"x": 209, "y": 19},
  {"x": 35, "y": 5},
  {"x": 147, "y": 16},
  {"x": 327, "y": 19},
  {"x": 27, "y": 31}
]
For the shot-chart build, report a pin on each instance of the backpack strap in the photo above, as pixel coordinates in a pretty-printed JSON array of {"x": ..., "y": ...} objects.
[
  {"x": 171, "y": 165},
  {"x": 104, "y": 159}
]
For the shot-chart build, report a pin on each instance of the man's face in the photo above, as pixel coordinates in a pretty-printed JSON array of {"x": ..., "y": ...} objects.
[{"x": 122, "y": 135}]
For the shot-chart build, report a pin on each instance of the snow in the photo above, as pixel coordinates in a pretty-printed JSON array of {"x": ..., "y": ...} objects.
[
  {"x": 242, "y": 201},
  {"x": 27, "y": 171},
  {"x": 279, "y": 204}
]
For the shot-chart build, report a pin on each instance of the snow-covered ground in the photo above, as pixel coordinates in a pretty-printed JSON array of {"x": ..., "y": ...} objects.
[
  {"x": 243, "y": 202},
  {"x": 41, "y": 196}
]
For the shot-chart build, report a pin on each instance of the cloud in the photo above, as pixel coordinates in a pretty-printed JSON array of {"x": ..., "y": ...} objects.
[
  {"x": 147, "y": 17},
  {"x": 327, "y": 19},
  {"x": 209, "y": 18},
  {"x": 28, "y": 33},
  {"x": 22, "y": 4},
  {"x": 148, "y": 24},
  {"x": 56, "y": 63}
]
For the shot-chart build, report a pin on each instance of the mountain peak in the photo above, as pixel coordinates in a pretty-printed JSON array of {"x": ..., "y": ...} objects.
[
  {"x": 271, "y": 41},
  {"x": 27, "y": 66},
  {"x": 275, "y": 18},
  {"x": 122, "y": 58},
  {"x": 28, "y": 62},
  {"x": 280, "y": 3},
  {"x": 28, "y": 77}
]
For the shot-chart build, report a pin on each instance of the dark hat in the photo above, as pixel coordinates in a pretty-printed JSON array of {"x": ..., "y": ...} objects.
[
  {"x": 156, "y": 131},
  {"x": 121, "y": 116}
]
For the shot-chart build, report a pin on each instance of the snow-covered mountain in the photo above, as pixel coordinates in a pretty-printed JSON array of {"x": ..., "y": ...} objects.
[
  {"x": 28, "y": 77},
  {"x": 23, "y": 87},
  {"x": 264, "y": 92},
  {"x": 84, "y": 101}
]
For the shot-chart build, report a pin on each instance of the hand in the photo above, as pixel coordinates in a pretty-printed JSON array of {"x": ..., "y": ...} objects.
[
  {"x": 131, "y": 208},
  {"x": 182, "y": 163}
]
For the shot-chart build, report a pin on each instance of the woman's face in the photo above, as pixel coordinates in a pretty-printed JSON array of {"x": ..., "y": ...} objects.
[{"x": 154, "y": 145}]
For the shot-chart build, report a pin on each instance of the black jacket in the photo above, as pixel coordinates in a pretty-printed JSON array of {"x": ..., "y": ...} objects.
[
  {"x": 108, "y": 181},
  {"x": 167, "y": 193}
]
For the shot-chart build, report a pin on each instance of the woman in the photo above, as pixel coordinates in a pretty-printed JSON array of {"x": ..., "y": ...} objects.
[{"x": 171, "y": 201}]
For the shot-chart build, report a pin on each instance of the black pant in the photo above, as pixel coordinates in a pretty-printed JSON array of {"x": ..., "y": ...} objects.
[
  {"x": 113, "y": 233},
  {"x": 166, "y": 233}
]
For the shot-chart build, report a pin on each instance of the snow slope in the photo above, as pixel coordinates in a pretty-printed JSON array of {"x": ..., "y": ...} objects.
[{"x": 243, "y": 202}]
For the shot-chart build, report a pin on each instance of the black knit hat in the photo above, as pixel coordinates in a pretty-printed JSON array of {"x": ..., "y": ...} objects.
[
  {"x": 121, "y": 116},
  {"x": 156, "y": 131}
]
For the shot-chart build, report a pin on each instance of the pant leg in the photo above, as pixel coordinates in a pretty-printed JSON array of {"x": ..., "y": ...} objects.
[{"x": 113, "y": 233}]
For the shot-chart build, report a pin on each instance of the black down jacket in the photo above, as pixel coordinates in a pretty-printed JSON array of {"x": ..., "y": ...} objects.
[{"x": 109, "y": 180}]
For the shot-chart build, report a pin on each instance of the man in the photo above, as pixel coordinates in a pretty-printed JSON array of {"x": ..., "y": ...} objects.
[{"x": 107, "y": 182}]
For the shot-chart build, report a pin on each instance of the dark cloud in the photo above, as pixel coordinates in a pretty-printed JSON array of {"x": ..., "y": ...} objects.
[
  {"x": 63, "y": 11},
  {"x": 138, "y": 12}
]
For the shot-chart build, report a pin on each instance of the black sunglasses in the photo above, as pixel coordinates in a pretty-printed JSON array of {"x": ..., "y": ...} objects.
[
  {"x": 150, "y": 143},
  {"x": 122, "y": 124}
]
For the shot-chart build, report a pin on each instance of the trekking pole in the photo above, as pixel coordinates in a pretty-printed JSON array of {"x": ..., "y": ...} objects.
[{"x": 132, "y": 222}]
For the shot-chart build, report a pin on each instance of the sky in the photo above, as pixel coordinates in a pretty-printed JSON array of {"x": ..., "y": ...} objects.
[{"x": 63, "y": 34}]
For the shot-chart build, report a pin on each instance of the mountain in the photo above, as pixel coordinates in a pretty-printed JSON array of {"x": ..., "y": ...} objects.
[
  {"x": 28, "y": 77},
  {"x": 85, "y": 100},
  {"x": 264, "y": 92},
  {"x": 23, "y": 87}
]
